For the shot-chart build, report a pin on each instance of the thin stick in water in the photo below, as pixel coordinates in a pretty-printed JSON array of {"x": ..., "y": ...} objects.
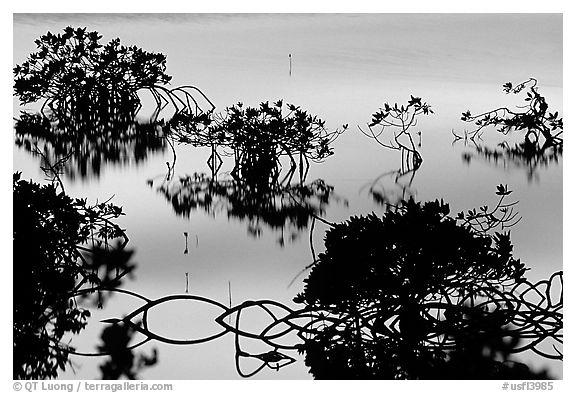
[
  {"x": 186, "y": 237},
  {"x": 229, "y": 299}
]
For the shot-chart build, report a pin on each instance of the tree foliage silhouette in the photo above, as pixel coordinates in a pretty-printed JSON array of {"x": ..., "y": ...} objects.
[
  {"x": 258, "y": 137},
  {"x": 51, "y": 262},
  {"x": 399, "y": 120},
  {"x": 73, "y": 69},
  {"x": 390, "y": 277},
  {"x": 122, "y": 360},
  {"x": 534, "y": 118}
]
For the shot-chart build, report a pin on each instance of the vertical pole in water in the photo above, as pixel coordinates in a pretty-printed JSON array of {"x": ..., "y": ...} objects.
[
  {"x": 186, "y": 282},
  {"x": 290, "y": 60},
  {"x": 229, "y": 299},
  {"x": 186, "y": 237}
]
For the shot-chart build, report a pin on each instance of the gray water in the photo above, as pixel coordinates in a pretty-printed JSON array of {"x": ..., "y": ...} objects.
[{"x": 343, "y": 68}]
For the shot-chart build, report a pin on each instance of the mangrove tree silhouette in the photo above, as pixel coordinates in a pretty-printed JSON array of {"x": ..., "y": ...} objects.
[
  {"x": 416, "y": 288},
  {"x": 257, "y": 139},
  {"x": 540, "y": 129},
  {"x": 61, "y": 245},
  {"x": 261, "y": 141},
  {"x": 539, "y": 125},
  {"x": 399, "y": 120},
  {"x": 76, "y": 75}
]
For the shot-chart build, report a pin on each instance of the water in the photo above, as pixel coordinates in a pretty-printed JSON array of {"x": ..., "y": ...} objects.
[{"x": 343, "y": 68}]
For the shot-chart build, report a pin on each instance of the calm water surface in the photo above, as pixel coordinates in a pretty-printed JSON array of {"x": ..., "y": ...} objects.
[{"x": 343, "y": 68}]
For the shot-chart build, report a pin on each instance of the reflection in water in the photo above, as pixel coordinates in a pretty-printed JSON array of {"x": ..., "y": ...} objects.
[
  {"x": 83, "y": 149},
  {"x": 108, "y": 265},
  {"x": 91, "y": 100},
  {"x": 397, "y": 122},
  {"x": 414, "y": 294},
  {"x": 542, "y": 132},
  {"x": 273, "y": 359},
  {"x": 391, "y": 188},
  {"x": 453, "y": 335},
  {"x": 542, "y": 144},
  {"x": 420, "y": 289},
  {"x": 122, "y": 361},
  {"x": 51, "y": 265},
  {"x": 280, "y": 208},
  {"x": 258, "y": 191},
  {"x": 525, "y": 155},
  {"x": 487, "y": 355}
]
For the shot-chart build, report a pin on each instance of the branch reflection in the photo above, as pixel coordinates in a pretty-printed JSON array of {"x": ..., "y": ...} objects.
[
  {"x": 86, "y": 148},
  {"x": 285, "y": 209}
]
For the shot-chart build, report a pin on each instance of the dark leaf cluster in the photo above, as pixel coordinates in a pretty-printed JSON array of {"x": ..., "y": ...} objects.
[
  {"x": 73, "y": 69},
  {"x": 122, "y": 361},
  {"x": 52, "y": 236},
  {"x": 393, "y": 113},
  {"x": 259, "y": 137},
  {"x": 533, "y": 119},
  {"x": 398, "y": 121},
  {"x": 386, "y": 278}
]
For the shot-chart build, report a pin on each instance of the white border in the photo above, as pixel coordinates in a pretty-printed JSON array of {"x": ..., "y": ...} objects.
[{"x": 258, "y": 6}]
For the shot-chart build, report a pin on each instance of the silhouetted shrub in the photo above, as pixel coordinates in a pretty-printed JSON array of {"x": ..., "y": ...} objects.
[
  {"x": 122, "y": 361},
  {"x": 74, "y": 70},
  {"x": 533, "y": 118},
  {"x": 485, "y": 356},
  {"x": 399, "y": 120},
  {"x": 394, "y": 281},
  {"x": 259, "y": 137},
  {"x": 51, "y": 262}
]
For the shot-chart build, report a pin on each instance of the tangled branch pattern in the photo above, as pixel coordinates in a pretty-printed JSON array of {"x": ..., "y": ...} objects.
[{"x": 529, "y": 313}]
